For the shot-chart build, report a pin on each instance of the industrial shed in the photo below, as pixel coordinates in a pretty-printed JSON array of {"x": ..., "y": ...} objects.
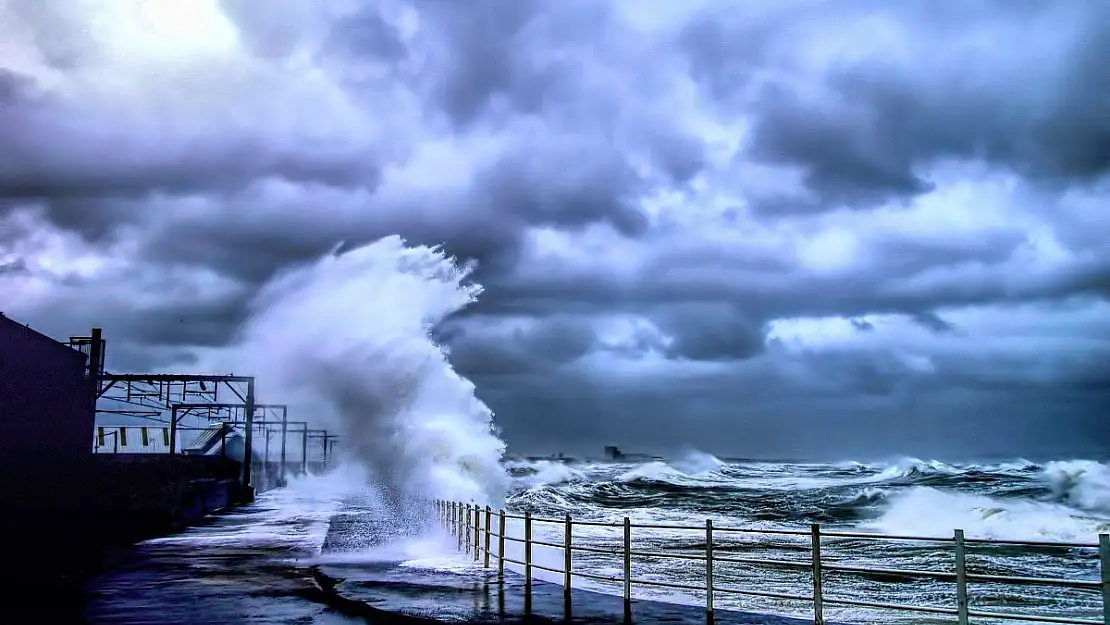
[{"x": 46, "y": 400}]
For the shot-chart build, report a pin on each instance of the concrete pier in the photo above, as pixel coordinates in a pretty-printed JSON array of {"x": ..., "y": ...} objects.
[{"x": 386, "y": 593}]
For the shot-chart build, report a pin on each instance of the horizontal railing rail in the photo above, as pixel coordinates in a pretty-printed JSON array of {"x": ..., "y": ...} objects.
[{"x": 473, "y": 527}]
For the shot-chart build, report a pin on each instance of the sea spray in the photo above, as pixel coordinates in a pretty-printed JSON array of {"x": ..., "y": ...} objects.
[
  {"x": 346, "y": 342},
  {"x": 1083, "y": 484}
]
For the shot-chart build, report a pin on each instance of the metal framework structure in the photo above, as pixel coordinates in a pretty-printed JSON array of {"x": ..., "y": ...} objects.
[
  {"x": 265, "y": 425},
  {"x": 149, "y": 394},
  {"x": 179, "y": 411},
  {"x": 235, "y": 415},
  {"x": 329, "y": 440},
  {"x": 167, "y": 398}
]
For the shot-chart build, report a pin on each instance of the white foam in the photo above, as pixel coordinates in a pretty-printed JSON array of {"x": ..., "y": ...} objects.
[
  {"x": 925, "y": 511},
  {"x": 694, "y": 468},
  {"x": 296, "y": 516},
  {"x": 346, "y": 342},
  {"x": 1083, "y": 484},
  {"x": 547, "y": 473},
  {"x": 695, "y": 462}
]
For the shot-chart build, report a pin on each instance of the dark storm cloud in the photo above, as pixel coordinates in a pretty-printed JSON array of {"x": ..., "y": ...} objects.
[
  {"x": 196, "y": 322},
  {"x": 540, "y": 347},
  {"x": 14, "y": 266},
  {"x": 737, "y": 416},
  {"x": 495, "y": 50},
  {"x": 94, "y": 218},
  {"x": 53, "y": 153},
  {"x": 862, "y": 325},
  {"x": 710, "y": 331},
  {"x": 559, "y": 180},
  {"x": 15, "y": 88},
  {"x": 912, "y": 273},
  {"x": 148, "y": 357},
  {"x": 60, "y": 34},
  {"x": 933, "y": 322},
  {"x": 866, "y": 130},
  {"x": 560, "y": 183},
  {"x": 564, "y": 185}
]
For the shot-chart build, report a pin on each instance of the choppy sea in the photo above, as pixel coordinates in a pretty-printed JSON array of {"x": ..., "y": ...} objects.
[{"x": 250, "y": 565}]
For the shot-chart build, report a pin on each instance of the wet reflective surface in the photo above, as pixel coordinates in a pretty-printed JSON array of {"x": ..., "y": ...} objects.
[
  {"x": 314, "y": 556},
  {"x": 456, "y": 598},
  {"x": 244, "y": 566},
  {"x": 384, "y": 580}
]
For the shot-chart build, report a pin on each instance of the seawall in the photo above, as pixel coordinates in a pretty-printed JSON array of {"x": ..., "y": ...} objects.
[{"x": 63, "y": 521}]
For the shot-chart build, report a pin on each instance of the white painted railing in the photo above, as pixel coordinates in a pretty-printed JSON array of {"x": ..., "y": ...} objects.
[{"x": 473, "y": 527}]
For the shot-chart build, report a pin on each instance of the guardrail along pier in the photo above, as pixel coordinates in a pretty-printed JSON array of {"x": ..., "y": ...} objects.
[{"x": 476, "y": 528}]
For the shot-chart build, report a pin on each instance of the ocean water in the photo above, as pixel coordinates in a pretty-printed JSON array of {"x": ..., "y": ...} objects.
[{"x": 1055, "y": 501}]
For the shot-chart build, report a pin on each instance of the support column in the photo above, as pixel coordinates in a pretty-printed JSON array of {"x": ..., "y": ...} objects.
[
  {"x": 304, "y": 451},
  {"x": 96, "y": 355},
  {"x": 266, "y": 456},
  {"x": 173, "y": 429},
  {"x": 284, "y": 431},
  {"x": 248, "y": 436}
]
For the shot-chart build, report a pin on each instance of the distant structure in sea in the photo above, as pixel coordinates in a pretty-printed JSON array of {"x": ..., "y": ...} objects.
[{"x": 614, "y": 454}]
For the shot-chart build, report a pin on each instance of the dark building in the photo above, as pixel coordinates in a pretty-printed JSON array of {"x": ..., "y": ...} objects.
[
  {"x": 65, "y": 507},
  {"x": 47, "y": 410}
]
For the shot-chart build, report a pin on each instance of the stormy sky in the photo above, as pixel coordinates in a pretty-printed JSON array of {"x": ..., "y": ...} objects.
[{"x": 768, "y": 229}]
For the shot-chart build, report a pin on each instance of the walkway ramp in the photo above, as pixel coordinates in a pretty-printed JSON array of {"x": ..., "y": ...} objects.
[{"x": 208, "y": 441}]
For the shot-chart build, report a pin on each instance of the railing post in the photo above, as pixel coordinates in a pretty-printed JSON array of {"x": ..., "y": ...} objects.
[
  {"x": 961, "y": 580},
  {"x": 528, "y": 550},
  {"x": 489, "y": 515},
  {"x": 818, "y": 601},
  {"x": 627, "y": 562},
  {"x": 501, "y": 546},
  {"x": 566, "y": 556},
  {"x": 467, "y": 537},
  {"x": 477, "y": 532},
  {"x": 709, "y": 569},
  {"x": 1104, "y": 564}
]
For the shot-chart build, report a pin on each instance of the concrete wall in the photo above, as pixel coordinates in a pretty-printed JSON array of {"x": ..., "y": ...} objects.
[
  {"x": 145, "y": 494},
  {"x": 111, "y": 501},
  {"x": 46, "y": 406}
]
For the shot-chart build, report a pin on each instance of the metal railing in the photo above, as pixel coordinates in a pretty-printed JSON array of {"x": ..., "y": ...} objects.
[{"x": 470, "y": 524}]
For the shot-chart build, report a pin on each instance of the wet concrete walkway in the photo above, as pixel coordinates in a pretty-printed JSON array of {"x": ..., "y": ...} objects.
[
  {"x": 387, "y": 593},
  {"x": 384, "y": 591}
]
